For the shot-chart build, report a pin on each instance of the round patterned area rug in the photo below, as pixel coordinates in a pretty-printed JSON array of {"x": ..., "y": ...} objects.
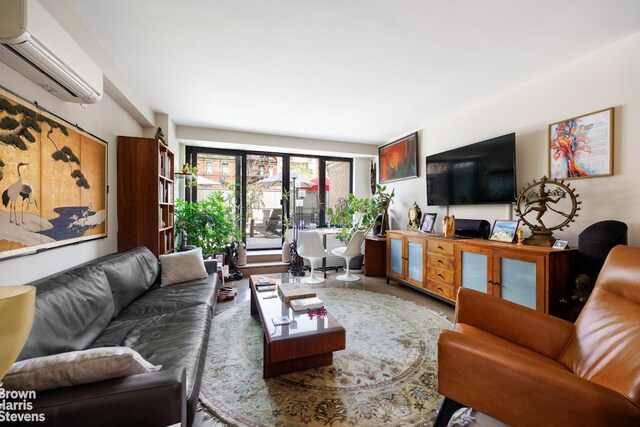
[{"x": 386, "y": 375}]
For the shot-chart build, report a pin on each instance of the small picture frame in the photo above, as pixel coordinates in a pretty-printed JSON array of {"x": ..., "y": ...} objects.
[
  {"x": 560, "y": 244},
  {"x": 428, "y": 221},
  {"x": 504, "y": 231}
]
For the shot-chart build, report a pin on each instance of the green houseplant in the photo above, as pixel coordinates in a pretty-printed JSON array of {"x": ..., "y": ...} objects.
[
  {"x": 210, "y": 223},
  {"x": 383, "y": 200},
  {"x": 355, "y": 213}
]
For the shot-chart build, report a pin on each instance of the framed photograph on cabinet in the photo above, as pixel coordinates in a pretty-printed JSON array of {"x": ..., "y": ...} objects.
[
  {"x": 428, "y": 221},
  {"x": 560, "y": 244},
  {"x": 399, "y": 159},
  {"x": 504, "y": 230},
  {"x": 582, "y": 147}
]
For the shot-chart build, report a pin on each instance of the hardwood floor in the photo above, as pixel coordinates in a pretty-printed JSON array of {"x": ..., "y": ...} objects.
[{"x": 371, "y": 284}]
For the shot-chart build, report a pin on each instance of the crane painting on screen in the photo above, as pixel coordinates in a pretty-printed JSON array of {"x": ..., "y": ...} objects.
[{"x": 15, "y": 190}]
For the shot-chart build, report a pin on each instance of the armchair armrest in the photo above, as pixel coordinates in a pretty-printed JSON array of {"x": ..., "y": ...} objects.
[
  {"x": 156, "y": 398},
  {"x": 523, "y": 388},
  {"x": 520, "y": 325}
]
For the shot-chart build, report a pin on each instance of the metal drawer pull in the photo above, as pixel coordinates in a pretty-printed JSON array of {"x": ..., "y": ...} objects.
[{"x": 440, "y": 275}]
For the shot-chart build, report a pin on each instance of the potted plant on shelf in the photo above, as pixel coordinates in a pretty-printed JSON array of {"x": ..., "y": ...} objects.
[{"x": 383, "y": 200}]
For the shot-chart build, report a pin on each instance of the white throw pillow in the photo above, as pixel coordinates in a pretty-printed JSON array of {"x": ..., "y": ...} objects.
[
  {"x": 76, "y": 367},
  {"x": 182, "y": 267}
]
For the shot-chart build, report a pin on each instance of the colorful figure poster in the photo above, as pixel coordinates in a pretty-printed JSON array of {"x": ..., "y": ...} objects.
[{"x": 581, "y": 147}]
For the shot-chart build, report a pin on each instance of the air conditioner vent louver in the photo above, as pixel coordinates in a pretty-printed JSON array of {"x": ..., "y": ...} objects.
[{"x": 37, "y": 46}]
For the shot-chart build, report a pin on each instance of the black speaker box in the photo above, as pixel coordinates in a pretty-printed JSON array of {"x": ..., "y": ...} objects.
[
  {"x": 594, "y": 244},
  {"x": 478, "y": 228}
]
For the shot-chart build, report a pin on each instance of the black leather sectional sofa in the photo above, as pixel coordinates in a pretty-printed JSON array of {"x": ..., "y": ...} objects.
[{"x": 116, "y": 300}]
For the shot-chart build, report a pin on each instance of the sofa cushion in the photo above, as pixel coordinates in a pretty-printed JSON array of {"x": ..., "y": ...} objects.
[
  {"x": 181, "y": 267},
  {"x": 72, "y": 309},
  {"x": 76, "y": 367},
  {"x": 130, "y": 273},
  {"x": 171, "y": 298},
  {"x": 173, "y": 339}
]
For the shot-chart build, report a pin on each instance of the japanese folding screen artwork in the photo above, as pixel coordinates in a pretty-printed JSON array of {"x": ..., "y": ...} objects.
[{"x": 53, "y": 180}]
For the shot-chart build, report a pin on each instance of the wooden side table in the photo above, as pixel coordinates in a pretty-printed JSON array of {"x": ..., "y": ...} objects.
[{"x": 375, "y": 256}]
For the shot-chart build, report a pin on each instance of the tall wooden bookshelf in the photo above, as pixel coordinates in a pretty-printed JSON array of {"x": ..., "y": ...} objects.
[{"x": 145, "y": 195}]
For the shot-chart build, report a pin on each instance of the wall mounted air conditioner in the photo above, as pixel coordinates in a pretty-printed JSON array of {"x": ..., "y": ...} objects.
[{"x": 38, "y": 47}]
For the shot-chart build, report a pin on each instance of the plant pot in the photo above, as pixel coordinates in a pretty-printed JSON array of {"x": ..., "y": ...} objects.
[
  {"x": 286, "y": 252},
  {"x": 242, "y": 254}
]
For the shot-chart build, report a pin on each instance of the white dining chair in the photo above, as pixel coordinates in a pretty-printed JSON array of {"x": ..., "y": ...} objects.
[
  {"x": 310, "y": 247},
  {"x": 352, "y": 250}
]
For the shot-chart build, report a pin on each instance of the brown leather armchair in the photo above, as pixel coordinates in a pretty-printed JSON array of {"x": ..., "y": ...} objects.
[{"x": 526, "y": 368}]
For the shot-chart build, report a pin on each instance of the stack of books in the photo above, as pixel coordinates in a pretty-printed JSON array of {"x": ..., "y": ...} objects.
[
  {"x": 265, "y": 285},
  {"x": 292, "y": 291},
  {"x": 304, "y": 304}
]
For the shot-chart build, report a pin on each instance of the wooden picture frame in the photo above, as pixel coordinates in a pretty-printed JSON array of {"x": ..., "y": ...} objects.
[
  {"x": 582, "y": 147},
  {"x": 399, "y": 159},
  {"x": 428, "y": 222},
  {"x": 504, "y": 230},
  {"x": 53, "y": 180}
]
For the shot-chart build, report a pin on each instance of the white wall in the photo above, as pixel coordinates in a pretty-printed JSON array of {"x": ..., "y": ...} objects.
[
  {"x": 106, "y": 120},
  {"x": 361, "y": 173},
  {"x": 238, "y": 140},
  {"x": 605, "y": 78}
]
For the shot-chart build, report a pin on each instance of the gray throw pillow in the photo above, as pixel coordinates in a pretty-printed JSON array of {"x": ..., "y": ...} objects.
[{"x": 182, "y": 267}]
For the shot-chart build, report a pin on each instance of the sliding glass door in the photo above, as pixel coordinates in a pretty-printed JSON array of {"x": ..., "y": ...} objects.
[
  {"x": 271, "y": 191},
  {"x": 264, "y": 217},
  {"x": 304, "y": 203}
]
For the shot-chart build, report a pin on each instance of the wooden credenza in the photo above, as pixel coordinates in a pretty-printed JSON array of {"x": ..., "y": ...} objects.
[{"x": 533, "y": 276}]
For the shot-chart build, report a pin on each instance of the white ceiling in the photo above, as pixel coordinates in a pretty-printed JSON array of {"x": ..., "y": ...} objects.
[{"x": 350, "y": 70}]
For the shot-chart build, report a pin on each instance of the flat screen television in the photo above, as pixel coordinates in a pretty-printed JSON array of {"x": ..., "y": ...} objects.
[{"x": 476, "y": 174}]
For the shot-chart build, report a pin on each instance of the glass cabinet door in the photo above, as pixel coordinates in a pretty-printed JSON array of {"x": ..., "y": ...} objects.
[
  {"x": 415, "y": 259},
  {"x": 474, "y": 269},
  {"x": 395, "y": 255},
  {"x": 519, "y": 276}
]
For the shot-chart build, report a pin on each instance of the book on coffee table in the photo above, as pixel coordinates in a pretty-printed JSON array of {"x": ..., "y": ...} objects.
[
  {"x": 291, "y": 291},
  {"x": 262, "y": 281},
  {"x": 304, "y": 304},
  {"x": 282, "y": 320}
]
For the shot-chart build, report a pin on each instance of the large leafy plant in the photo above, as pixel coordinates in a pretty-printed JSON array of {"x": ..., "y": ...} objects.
[
  {"x": 210, "y": 223},
  {"x": 355, "y": 213}
]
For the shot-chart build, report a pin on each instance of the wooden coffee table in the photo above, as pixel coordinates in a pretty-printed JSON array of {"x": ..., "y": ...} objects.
[{"x": 304, "y": 343}]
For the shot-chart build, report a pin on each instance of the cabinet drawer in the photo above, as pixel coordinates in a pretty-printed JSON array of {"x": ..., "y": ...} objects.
[
  {"x": 441, "y": 289},
  {"x": 442, "y": 275},
  {"x": 440, "y": 261},
  {"x": 440, "y": 247}
]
